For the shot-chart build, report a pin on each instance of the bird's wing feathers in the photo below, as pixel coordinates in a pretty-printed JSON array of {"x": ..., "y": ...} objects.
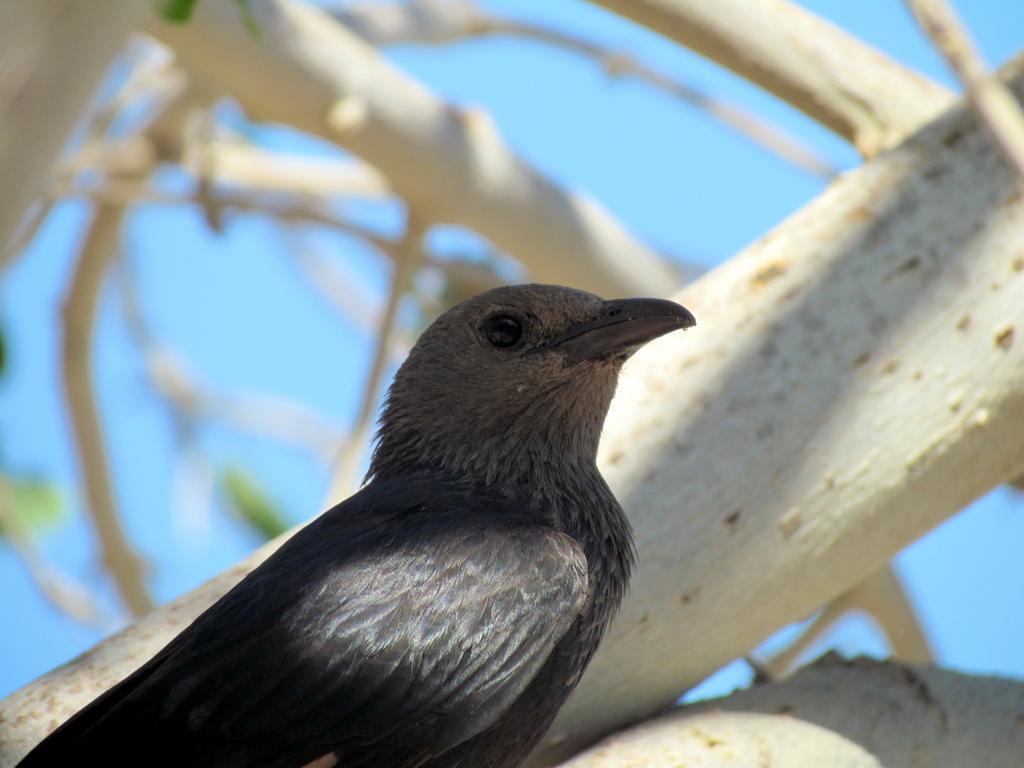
[{"x": 400, "y": 623}]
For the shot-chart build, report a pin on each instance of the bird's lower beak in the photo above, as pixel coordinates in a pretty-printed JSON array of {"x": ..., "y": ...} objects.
[{"x": 622, "y": 327}]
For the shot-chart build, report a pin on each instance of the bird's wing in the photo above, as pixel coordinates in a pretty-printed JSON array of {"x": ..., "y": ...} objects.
[{"x": 403, "y": 622}]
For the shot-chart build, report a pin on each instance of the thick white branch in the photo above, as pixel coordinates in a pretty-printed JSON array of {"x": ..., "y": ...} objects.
[
  {"x": 307, "y": 70},
  {"x": 855, "y": 377},
  {"x": 854, "y": 714},
  {"x": 826, "y": 73}
]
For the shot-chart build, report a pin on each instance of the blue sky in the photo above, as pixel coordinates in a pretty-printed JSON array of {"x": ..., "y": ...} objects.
[{"x": 236, "y": 308}]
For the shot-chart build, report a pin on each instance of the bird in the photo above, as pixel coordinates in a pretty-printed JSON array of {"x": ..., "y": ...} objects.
[{"x": 441, "y": 615}]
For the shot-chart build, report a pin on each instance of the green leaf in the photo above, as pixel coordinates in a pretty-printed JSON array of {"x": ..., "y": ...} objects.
[
  {"x": 248, "y": 18},
  {"x": 251, "y": 503},
  {"x": 32, "y": 504},
  {"x": 178, "y": 11}
]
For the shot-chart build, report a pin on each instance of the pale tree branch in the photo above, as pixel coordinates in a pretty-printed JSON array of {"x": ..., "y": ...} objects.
[
  {"x": 132, "y": 155},
  {"x": 989, "y": 97},
  {"x": 438, "y": 22},
  {"x": 450, "y": 165},
  {"x": 256, "y": 169},
  {"x": 886, "y": 602},
  {"x": 810, "y": 427},
  {"x": 42, "y": 95},
  {"x": 408, "y": 256},
  {"x": 846, "y": 85},
  {"x": 194, "y": 401},
  {"x": 136, "y": 192},
  {"x": 855, "y": 714},
  {"x": 325, "y": 280},
  {"x": 98, "y": 248},
  {"x": 233, "y": 164},
  {"x": 272, "y": 416},
  {"x": 882, "y": 598}
]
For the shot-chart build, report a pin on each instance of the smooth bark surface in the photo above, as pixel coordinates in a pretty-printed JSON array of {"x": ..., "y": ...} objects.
[
  {"x": 840, "y": 714},
  {"x": 826, "y": 73},
  {"x": 855, "y": 377}
]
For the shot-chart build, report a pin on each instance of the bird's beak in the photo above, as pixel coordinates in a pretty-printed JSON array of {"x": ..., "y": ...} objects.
[{"x": 621, "y": 327}]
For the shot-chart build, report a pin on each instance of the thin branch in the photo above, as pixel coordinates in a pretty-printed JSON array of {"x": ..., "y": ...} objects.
[
  {"x": 993, "y": 102},
  {"x": 309, "y": 211},
  {"x": 64, "y": 593},
  {"x": 881, "y": 597},
  {"x": 846, "y": 85},
  {"x": 272, "y": 416},
  {"x": 322, "y": 277},
  {"x": 255, "y": 168},
  {"x": 407, "y": 260},
  {"x": 232, "y": 164},
  {"x": 434, "y": 22},
  {"x": 79, "y": 312},
  {"x": 193, "y": 400}
]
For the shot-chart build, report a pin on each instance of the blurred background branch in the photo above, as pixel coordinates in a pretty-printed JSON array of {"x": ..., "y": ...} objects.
[
  {"x": 993, "y": 102},
  {"x": 441, "y": 22},
  {"x": 855, "y": 90},
  {"x": 99, "y": 248}
]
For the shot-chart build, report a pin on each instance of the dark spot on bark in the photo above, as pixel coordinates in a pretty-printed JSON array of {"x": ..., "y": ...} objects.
[
  {"x": 924, "y": 694},
  {"x": 907, "y": 266},
  {"x": 890, "y": 366},
  {"x": 768, "y": 350},
  {"x": 789, "y": 295},
  {"x": 769, "y": 272},
  {"x": 956, "y": 136},
  {"x": 689, "y": 596},
  {"x": 733, "y": 519}
]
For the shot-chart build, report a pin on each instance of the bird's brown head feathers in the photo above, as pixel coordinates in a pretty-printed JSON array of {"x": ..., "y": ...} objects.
[{"x": 515, "y": 377}]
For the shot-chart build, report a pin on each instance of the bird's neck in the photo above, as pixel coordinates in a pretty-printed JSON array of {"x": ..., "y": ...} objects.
[{"x": 511, "y": 442}]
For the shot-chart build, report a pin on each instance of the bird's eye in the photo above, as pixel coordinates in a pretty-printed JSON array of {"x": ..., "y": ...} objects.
[{"x": 503, "y": 330}]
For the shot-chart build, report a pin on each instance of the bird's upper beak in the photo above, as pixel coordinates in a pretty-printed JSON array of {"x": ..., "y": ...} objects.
[{"x": 621, "y": 327}]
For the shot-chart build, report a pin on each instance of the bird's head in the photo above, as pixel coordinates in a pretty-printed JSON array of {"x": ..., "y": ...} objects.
[{"x": 513, "y": 378}]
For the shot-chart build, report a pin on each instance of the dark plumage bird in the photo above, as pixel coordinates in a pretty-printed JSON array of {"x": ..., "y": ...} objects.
[{"x": 441, "y": 615}]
